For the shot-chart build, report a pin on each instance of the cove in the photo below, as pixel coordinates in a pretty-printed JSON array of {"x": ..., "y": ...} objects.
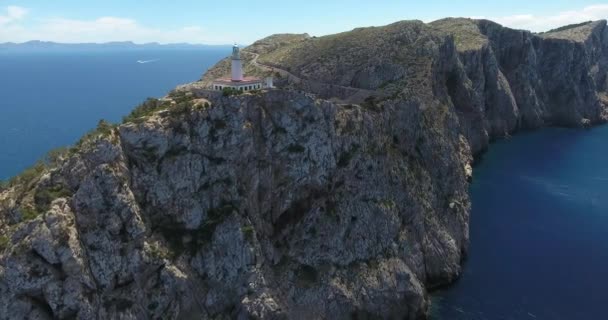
[{"x": 539, "y": 228}]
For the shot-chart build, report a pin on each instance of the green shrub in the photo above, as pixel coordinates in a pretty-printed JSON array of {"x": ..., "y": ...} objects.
[
  {"x": 387, "y": 204},
  {"x": 180, "y": 108},
  {"x": 331, "y": 209},
  {"x": 371, "y": 104},
  {"x": 217, "y": 214},
  {"x": 149, "y": 152},
  {"x": 148, "y": 107},
  {"x": 279, "y": 130},
  {"x": 153, "y": 305},
  {"x": 183, "y": 104},
  {"x": 29, "y": 213},
  {"x": 386, "y": 84},
  {"x": 45, "y": 196},
  {"x": 345, "y": 157},
  {"x": 180, "y": 96},
  {"x": 122, "y": 304},
  {"x": 4, "y": 242},
  {"x": 248, "y": 232},
  {"x": 53, "y": 158},
  {"x": 103, "y": 129},
  {"x": 175, "y": 233},
  {"x": 175, "y": 152},
  {"x": 157, "y": 253},
  {"x": 27, "y": 176},
  {"x": 296, "y": 148},
  {"x": 307, "y": 276},
  {"x": 219, "y": 124},
  {"x": 226, "y": 92},
  {"x": 570, "y": 26},
  {"x": 56, "y": 156}
]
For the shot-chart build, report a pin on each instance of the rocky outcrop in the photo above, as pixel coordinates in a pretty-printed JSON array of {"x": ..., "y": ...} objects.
[
  {"x": 282, "y": 204},
  {"x": 274, "y": 205},
  {"x": 499, "y": 80},
  {"x": 520, "y": 80}
]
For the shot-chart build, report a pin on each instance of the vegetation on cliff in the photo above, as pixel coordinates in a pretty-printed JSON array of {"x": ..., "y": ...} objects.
[{"x": 284, "y": 204}]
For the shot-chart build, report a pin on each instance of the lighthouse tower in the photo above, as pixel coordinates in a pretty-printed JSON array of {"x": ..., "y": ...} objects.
[
  {"x": 236, "y": 80},
  {"x": 237, "y": 64}
]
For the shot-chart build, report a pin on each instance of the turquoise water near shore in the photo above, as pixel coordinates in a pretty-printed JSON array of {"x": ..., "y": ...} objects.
[
  {"x": 538, "y": 231},
  {"x": 50, "y": 98}
]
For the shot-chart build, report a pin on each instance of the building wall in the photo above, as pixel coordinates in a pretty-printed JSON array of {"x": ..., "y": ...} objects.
[
  {"x": 237, "y": 70},
  {"x": 244, "y": 87}
]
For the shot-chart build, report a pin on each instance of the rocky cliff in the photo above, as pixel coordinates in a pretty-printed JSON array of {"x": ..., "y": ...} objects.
[
  {"x": 303, "y": 202},
  {"x": 498, "y": 80}
]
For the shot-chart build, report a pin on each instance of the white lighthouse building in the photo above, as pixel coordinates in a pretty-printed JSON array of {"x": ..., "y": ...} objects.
[
  {"x": 237, "y": 64},
  {"x": 237, "y": 80}
]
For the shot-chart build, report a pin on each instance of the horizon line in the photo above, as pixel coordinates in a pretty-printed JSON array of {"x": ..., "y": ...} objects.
[{"x": 130, "y": 42}]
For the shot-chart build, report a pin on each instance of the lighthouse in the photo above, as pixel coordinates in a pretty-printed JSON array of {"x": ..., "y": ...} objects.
[
  {"x": 237, "y": 80},
  {"x": 237, "y": 64}
]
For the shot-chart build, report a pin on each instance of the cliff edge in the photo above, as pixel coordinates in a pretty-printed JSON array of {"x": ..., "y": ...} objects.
[
  {"x": 342, "y": 193},
  {"x": 498, "y": 80}
]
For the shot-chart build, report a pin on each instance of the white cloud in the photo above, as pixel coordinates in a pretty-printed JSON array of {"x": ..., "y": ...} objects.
[
  {"x": 13, "y": 14},
  {"x": 18, "y": 25},
  {"x": 103, "y": 29},
  {"x": 545, "y": 22}
]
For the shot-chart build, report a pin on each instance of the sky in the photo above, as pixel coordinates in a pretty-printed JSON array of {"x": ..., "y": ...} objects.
[{"x": 229, "y": 21}]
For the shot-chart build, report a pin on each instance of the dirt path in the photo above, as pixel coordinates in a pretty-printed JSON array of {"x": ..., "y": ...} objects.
[
  {"x": 358, "y": 95},
  {"x": 283, "y": 73}
]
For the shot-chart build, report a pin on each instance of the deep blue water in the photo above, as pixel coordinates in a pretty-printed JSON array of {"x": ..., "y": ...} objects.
[
  {"x": 49, "y": 99},
  {"x": 540, "y": 200},
  {"x": 539, "y": 228}
]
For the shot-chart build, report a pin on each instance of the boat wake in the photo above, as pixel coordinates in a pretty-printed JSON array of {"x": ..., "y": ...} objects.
[
  {"x": 564, "y": 191},
  {"x": 147, "y": 61}
]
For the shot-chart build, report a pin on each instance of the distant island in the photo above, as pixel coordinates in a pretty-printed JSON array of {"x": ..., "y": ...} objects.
[{"x": 37, "y": 45}]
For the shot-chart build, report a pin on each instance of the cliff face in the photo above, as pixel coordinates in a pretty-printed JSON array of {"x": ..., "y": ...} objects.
[
  {"x": 499, "y": 80},
  {"x": 283, "y": 204},
  {"x": 268, "y": 205},
  {"x": 518, "y": 80}
]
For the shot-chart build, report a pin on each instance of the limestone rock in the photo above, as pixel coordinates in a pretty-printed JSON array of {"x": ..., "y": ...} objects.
[{"x": 285, "y": 204}]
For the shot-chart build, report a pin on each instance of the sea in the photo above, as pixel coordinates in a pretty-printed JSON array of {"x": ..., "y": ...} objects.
[
  {"x": 50, "y": 98},
  {"x": 539, "y": 217},
  {"x": 539, "y": 224}
]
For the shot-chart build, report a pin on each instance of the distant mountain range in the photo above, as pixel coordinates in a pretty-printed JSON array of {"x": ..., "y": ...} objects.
[{"x": 123, "y": 45}]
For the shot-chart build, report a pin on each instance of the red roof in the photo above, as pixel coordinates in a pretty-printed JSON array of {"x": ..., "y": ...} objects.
[{"x": 246, "y": 80}]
